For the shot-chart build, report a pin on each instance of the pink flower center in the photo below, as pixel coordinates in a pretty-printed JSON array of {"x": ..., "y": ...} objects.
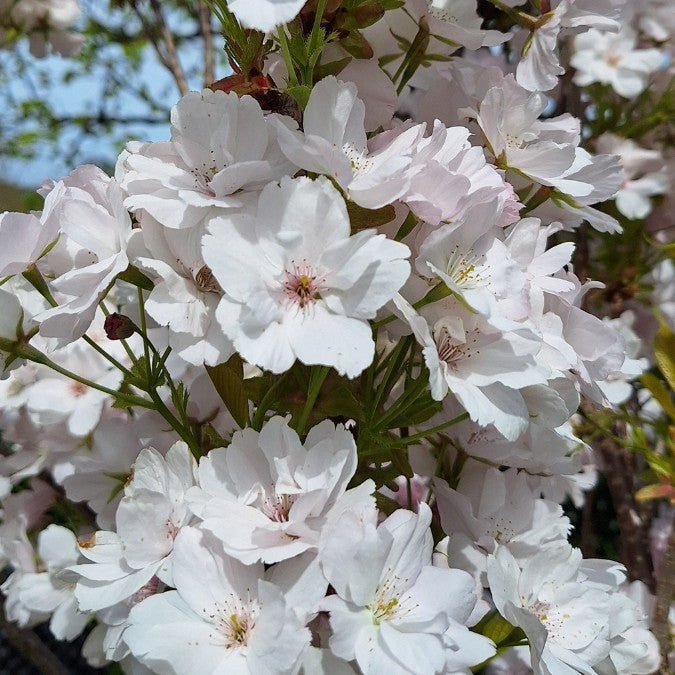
[
  {"x": 277, "y": 507},
  {"x": 302, "y": 285}
]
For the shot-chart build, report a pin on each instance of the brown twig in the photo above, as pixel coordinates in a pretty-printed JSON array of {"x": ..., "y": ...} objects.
[
  {"x": 619, "y": 470},
  {"x": 587, "y": 529},
  {"x": 205, "y": 27},
  {"x": 167, "y": 53},
  {"x": 665, "y": 589},
  {"x": 30, "y": 646}
]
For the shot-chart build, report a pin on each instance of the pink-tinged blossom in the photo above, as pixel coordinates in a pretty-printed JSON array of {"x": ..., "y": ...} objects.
[
  {"x": 223, "y": 617},
  {"x": 613, "y": 59},
  {"x": 56, "y": 398},
  {"x": 490, "y": 507},
  {"x": 469, "y": 257},
  {"x": 546, "y": 150},
  {"x": 539, "y": 66},
  {"x": 646, "y": 175},
  {"x": 264, "y": 15},
  {"x": 483, "y": 364},
  {"x": 11, "y": 323},
  {"x": 449, "y": 177},
  {"x": 95, "y": 229},
  {"x": 24, "y": 236},
  {"x": 185, "y": 295},
  {"x": 47, "y": 22},
  {"x": 267, "y": 495},
  {"x": 570, "y": 609},
  {"x": 220, "y": 145},
  {"x": 297, "y": 285},
  {"x": 150, "y": 515},
  {"x": 392, "y": 610},
  {"x": 52, "y": 592},
  {"x": 334, "y": 143}
]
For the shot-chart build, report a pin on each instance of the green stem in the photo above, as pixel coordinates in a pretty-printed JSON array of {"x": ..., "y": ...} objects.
[
  {"x": 107, "y": 356},
  {"x": 404, "y": 402},
  {"x": 264, "y": 405},
  {"x": 521, "y": 18},
  {"x": 316, "y": 28},
  {"x": 316, "y": 380},
  {"x": 394, "y": 362},
  {"x": 31, "y": 354},
  {"x": 288, "y": 59},
  {"x": 144, "y": 330},
  {"x": 430, "y": 432},
  {"x": 438, "y": 292}
]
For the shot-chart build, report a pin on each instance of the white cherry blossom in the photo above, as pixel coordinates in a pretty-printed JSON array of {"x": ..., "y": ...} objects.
[
  {"x": 297, "y": 285},
  {"x": 267, "y": 496},
  {"x": 264, "y": 15},
  {"x": 220, "y": 144},
  {"x": 150, "y": 515},
  {"x": 613, "y": 59},
  {"x": 223, "y": 617},
  {"x": 392, "y": 610},
  {"x": 334, "y": 143}
]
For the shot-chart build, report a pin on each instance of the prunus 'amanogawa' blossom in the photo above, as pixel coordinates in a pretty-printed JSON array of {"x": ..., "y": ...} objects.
[
  {"x": 185, "y": 295},
  {"x": 449, "y": 177},
  {"x": 334, "y": 142},
  {"x": 539, "y": 67},
  {"x": 150, "y": 515},
  {"x": 56, "y": 398},
  {"x": 469, "y": 257},
  {"x": 490, "y": 507},
  {"x": 46, "y": 22},
  {"x": 11, "y": 320},
  {"x": 223, "y": 617},
  {"x": 52, "y": 591},
  {"x": 612, "y": 58},
  {"x": 545, "y": 150},
  {"x": 264, "y": 15},
  {"x": 392, "y": 610},
  {"x": 483, "y": 364},
  {"x": 645, "y": 175},
  {"x": 297, "y": 285},
  {"x": 570, "y": 609},
  {"x": 95, "y": 228},
  {"x": 220, "y": 145},
  {"x": 267, "y": 495},
  {"x": 24, "y": 236}
]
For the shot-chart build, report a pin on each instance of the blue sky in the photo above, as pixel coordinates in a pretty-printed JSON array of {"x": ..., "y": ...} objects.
[{"x": 80, "y": 96}]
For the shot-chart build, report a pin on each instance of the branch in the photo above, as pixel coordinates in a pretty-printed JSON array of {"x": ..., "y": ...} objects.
[
  {"x": 89, "y": 120},
  {"x": 169, "y": 58},
  {"x": 30, "y": 647},
  {"x": 619, "y": 470},
  {"x": 205, "y": 27},
  {"x": 665, "y": 588}
]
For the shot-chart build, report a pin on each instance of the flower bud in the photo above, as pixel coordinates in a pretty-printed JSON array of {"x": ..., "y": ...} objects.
[{"x": 119, "y": 327}]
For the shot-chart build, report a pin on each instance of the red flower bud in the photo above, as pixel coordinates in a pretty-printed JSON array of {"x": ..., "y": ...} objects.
[{"x": 119, "y": 327}]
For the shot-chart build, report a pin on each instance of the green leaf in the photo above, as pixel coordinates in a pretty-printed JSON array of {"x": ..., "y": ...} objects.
[
  {"x": 407, "y": 227},
  {"x": 659, "y": 392},
  {"x": 300, "y": 93},
  {"x": 228, "y": 379},
  {"x": 134, "y": 276},
  {"x": 495, "y": 627},
  {"x": 657, "y": 491},
  {"x": 362, "y": 218},
  {"x": 664, "y": 352},
  {"x": 355, "y": 44},
  {"x": 331, "y": 68}
]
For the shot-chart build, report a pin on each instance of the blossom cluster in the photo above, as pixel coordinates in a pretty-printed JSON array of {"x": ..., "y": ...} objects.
[
  {"x": 294, "y": 390},
  {"x": 48, "y": 24}
]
